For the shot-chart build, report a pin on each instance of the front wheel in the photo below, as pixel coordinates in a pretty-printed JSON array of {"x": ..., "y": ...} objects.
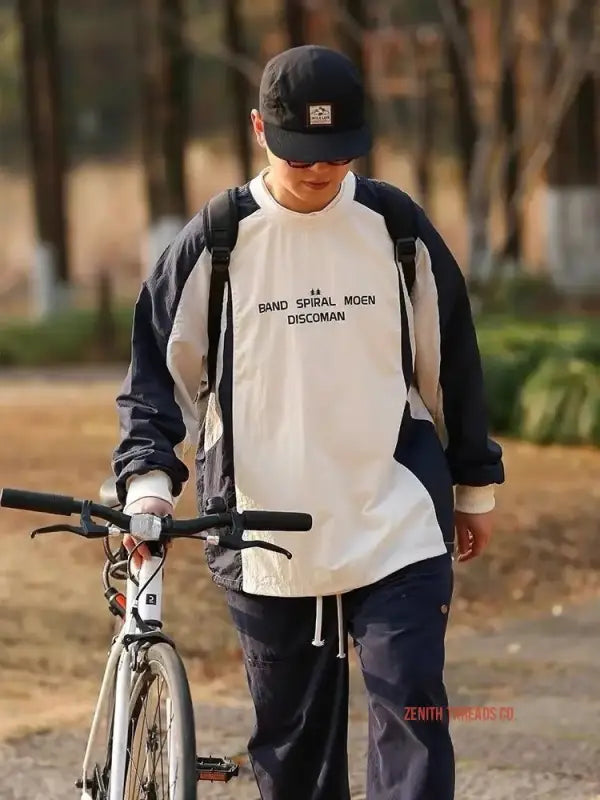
[{"x": 161, "y": 740}]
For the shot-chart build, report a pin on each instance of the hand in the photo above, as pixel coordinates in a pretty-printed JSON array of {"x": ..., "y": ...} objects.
[
  {"x": 473, "y": 533},
  {"x": 145, "y": 505}
]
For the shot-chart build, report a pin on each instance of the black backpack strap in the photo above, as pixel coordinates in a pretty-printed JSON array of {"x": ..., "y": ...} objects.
[
  {"x": 400, "y": 214},
  {"x": 221, "y": 223}
]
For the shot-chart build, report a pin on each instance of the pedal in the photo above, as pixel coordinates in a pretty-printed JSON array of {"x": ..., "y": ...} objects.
[{"x": 215, "y": 769}]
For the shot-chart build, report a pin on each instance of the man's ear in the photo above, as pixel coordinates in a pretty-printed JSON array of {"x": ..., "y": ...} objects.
[{"x": 259, "y": 129}]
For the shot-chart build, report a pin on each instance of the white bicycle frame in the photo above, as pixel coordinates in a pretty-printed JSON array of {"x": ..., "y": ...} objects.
[{"x": 149, "y": 607}]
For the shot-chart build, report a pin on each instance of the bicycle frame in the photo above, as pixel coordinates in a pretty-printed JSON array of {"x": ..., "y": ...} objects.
[{"x": 119, "y": 673}]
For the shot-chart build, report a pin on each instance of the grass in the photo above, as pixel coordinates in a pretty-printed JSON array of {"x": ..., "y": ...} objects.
[
  {"x": 74, "y": 337},
  {"x": 510, "y": 333}
]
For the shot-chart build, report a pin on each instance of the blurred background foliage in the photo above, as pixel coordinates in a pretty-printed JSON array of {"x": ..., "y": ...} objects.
[{"x": 119, "y": 120}]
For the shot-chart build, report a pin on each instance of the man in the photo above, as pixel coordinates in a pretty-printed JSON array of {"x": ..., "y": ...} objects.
[{"x": 338, "y": 392}]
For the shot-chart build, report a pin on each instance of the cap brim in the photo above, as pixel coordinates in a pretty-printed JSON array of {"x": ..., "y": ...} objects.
[{"x": 310, "y": 147}]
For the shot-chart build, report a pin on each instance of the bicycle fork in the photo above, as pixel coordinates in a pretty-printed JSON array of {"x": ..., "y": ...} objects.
[
  {"x": 149, "y": 606},
  {"x": 120, "y": 661}
]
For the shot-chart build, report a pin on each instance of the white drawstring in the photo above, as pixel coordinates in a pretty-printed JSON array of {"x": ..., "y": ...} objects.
[
  {"x": 341, "y": 636},
  {"x": 318, "y": 641}
]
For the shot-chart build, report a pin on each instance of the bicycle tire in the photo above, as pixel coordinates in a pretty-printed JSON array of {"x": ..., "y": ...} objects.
[{"x": 162, "y": 661}]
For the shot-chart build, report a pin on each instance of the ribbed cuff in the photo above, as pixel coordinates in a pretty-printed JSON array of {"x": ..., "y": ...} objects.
[
  {"x": 475, "y": 499},
  {"x": 152, "y": 484}
]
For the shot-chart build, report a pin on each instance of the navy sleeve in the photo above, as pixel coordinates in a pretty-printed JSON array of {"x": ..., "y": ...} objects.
[
  {"x": 151, "y": 420},
  {"x": 474, "y": 458}
]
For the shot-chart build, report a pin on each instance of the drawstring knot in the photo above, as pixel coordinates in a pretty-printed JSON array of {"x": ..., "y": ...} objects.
[{"x": 318, "y": 640}]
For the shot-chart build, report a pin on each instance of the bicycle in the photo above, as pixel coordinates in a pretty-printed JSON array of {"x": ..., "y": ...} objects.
[{"x": 142, "y": 656}]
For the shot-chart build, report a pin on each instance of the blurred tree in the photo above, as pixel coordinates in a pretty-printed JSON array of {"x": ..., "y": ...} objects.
[
  {"x": 486, "y": 97},
  {"x": 12, "y": 127},
  {"x": 41, "y": 71},
  {"x": 458, "y": 48},
  {"x": 240, "y": 95},
  {"x": 164, "y": 93},
  {"x": 476, "y": 127},
  {"x": 574, "y": 164},
  {"x": 295, "y": 21},
  {"x": 509, "y": 121},
  {"x": 424, "y": 137},
  {"x": 98, "y": 45},
  {"x": 352, "y": 26}
]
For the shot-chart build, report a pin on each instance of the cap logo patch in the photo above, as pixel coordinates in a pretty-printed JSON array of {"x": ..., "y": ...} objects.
[{"x": 320, "y": 114}]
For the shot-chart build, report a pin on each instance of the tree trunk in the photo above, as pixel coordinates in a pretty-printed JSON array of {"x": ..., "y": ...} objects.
[
  {"x": 295, "y": 21},
  {"x": 475, "y": 140},
  {"x": 465, "y": 122},
  {"x": 239, "y": 88},
  {"x": 41, "y": 73},
  {"x": 509, "y": 120},
  {"x": 164, "y": 79},
  {"x": 424, "y": 127},
  {"x": 351, "y": 33},
  {"x": 574, "y": 197},
  {"x": 573, "y": 190},
  {"x": 479, "y": 201}
]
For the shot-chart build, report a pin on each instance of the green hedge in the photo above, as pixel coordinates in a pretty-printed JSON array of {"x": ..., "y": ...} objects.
[
  {"x": 542, "y": 377},
  {"x": 75, "y": 337}
]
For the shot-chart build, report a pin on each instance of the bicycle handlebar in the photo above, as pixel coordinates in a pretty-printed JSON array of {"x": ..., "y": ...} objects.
[
  {"x": 63, "y": 505},
  {"x": 40, "y": 501},
  {"x": 276, "y": 521}
]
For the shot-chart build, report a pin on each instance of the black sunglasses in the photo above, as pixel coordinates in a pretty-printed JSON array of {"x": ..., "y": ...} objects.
[{"x": 305, "y": 164}]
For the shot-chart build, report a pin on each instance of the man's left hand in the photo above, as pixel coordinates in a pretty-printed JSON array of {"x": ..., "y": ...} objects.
[{"x": 473, "y": 533}]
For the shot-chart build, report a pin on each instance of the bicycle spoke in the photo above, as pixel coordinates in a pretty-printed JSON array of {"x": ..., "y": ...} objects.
[
  {"x": 156, "y": 712},
  {"x": 142, "y": 768},
  {"x": 162, "y": 747},
  {"x": 154, "y": 753},
  {"x": 162, "y": 768},
  {"x": 152, "y": 732},
  {"x": 164, "y": 740},
  {"x": 134, "y": 763},
  {"x": 154, "y": 715}
]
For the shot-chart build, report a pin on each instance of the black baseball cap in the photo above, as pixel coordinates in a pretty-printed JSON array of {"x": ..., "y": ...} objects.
[{"x": 312, "y": 105}]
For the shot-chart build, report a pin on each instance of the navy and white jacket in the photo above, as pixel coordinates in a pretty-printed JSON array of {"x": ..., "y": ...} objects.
[{"x": 336, "y": 394}]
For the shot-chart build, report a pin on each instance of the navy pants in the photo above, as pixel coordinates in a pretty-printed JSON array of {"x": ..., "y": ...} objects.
[{"x": 298, "y": 749}]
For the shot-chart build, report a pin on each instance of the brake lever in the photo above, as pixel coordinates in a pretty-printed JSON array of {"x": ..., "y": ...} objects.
[
  {"x": 58, "y": 529},
  {"x": 235, "y": 543},
  {"x": 268, "y": 546},
  {"x": 89, "y": 529}
]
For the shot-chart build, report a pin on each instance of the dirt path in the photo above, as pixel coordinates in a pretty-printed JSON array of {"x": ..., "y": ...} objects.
[
  {"x": 57, "y": 434},
  {"x": 546, "y": 671}
]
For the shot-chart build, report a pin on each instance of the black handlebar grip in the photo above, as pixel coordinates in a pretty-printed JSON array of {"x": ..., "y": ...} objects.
[
  {"x": 276, "y": 521},
  {"x": 39, "y": 501}
]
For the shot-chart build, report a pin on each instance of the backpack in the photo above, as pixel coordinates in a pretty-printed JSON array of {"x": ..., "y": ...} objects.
[{"x": 221, "y": 224}]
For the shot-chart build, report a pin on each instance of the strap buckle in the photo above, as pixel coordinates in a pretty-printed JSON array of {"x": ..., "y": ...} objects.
[
  {"x": 221, "y": 257},
  {"x": 405, "y": 250}
]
